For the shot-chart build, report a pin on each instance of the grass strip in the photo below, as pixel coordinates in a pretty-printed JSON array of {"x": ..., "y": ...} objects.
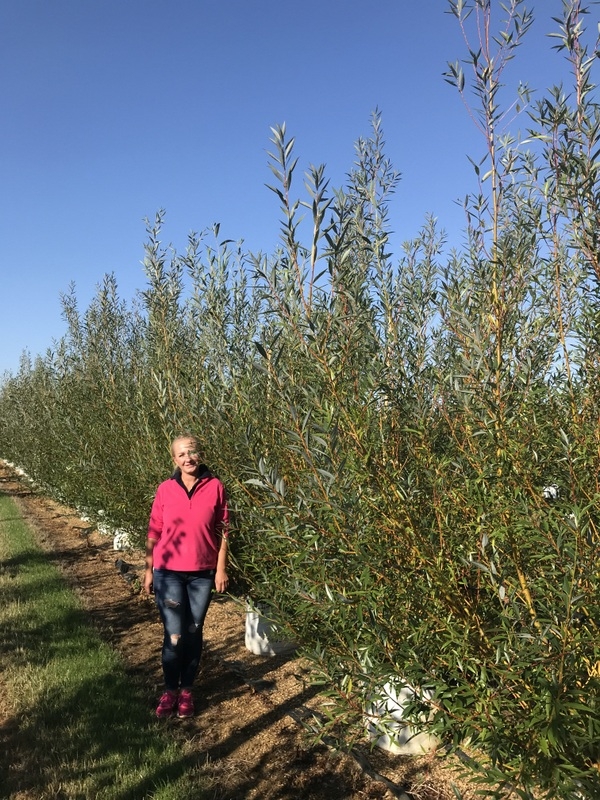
[{"x": 72, "y": 724}]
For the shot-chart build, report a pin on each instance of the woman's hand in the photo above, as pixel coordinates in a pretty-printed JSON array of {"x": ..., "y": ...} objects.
[
  {"x": 221, "y": 580},
  {"x": 148, "y": 580},
  {"x": 148, "y": 575}
]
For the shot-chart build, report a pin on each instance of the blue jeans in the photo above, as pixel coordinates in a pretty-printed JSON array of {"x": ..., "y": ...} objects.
[{"x": 182, "y": 599}]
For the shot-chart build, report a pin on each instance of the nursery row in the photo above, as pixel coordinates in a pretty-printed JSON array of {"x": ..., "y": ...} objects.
[{"x": 410, "y": 442}]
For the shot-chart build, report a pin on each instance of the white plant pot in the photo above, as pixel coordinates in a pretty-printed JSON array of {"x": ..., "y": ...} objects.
[
  {"x": 122, "y": 540},
  {"x": 261, "y": 637},
  {"x": 386, "y": 724}
]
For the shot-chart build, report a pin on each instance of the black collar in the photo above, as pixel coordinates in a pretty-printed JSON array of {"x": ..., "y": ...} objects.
[{"x": 203, "y": 473}]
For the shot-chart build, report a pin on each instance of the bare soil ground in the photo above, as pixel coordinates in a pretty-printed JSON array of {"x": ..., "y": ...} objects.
[{"x": 247, "y": 732}]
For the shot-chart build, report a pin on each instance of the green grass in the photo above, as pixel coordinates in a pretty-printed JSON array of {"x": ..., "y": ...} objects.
[{"x": 73, "y": 724}]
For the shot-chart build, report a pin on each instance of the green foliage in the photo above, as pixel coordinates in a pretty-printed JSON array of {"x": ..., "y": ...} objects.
[{"x": 385, "y": 427}]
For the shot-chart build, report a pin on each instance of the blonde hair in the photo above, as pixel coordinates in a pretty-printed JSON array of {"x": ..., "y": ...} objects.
[{"x": 185, "y": 437}]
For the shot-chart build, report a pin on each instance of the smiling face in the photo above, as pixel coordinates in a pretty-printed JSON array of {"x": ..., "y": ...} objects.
[{"x": 186, "y": 455}]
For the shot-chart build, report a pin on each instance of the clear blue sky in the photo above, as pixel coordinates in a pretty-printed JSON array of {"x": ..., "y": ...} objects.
[{"x": 114, "y": 109}]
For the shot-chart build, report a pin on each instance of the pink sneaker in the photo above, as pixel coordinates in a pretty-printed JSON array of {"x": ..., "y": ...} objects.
[
  {"x": 167, "y": 704},
  {"x": 185, "y": 705}
]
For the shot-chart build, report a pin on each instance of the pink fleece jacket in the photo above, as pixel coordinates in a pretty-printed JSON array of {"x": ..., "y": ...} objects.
[{"x": 188, "y": 530}]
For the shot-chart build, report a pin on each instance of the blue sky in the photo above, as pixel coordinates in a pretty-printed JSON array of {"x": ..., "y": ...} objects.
[{"x": 114, "y": 109}]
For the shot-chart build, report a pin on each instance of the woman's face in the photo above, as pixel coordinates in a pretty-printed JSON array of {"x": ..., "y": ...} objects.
[{"x": 186, "y": 455}]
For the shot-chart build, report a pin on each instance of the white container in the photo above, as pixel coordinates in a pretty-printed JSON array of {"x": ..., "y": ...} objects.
[
  {"x": 122, "y": 540},
  {"x": 261, "y": 637},
  {"x": 386, "y": 724}
]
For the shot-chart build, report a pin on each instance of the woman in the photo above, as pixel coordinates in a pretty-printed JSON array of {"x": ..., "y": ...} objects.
[{"x": 186, "y": 557}]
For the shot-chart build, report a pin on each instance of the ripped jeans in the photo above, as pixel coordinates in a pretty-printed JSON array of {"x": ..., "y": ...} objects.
[{"x": 182, "y": 599}]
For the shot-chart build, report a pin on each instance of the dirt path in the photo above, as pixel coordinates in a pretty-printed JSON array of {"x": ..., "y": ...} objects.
[{"x": 245, "y": 732}]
